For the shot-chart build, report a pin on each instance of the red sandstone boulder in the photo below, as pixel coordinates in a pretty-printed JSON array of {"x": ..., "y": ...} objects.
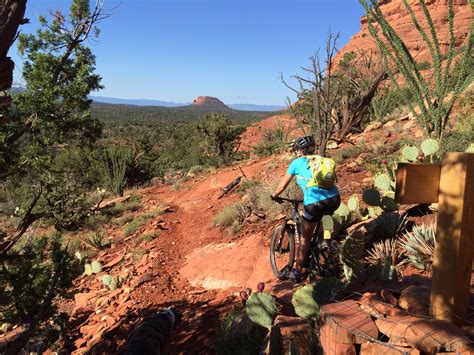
[{"x": 425, "y": 334}]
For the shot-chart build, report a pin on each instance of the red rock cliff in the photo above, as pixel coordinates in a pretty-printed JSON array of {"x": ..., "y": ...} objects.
[{"x": 398, "y": 17}]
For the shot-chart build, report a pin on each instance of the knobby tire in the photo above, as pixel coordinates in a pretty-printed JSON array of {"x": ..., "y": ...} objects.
[{"x": 283, "y": 242}]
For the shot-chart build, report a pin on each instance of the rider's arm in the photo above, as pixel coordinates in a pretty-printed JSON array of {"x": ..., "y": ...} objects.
[{"x": 283, "y": 184}]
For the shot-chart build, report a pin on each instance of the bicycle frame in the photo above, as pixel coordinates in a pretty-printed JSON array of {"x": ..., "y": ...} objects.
[{"x": 314, "y": 249}]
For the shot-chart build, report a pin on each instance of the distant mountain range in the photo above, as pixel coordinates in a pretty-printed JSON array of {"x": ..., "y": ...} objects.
[{"x": 146, "y": 102}]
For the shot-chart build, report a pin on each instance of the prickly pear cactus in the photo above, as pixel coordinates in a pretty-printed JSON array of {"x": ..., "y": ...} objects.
[
  {"x": 410, "y": 154},
  {"x": 351, "y": 252},
  {"x": 106, "y": 280},
  {"x": 389, "y": 204},
  {"x": 326, "y": 290},
  {"x": 114, "y": 283},
  {"x": 470, "y": 149},
  {"x": 328, "y": 223},
  {"x": 383, "y": 182},
  {"x": 96, "y": 267},
  {"x": 343, "y": 211},
  {"x": 353, "y": 203},
  {"x": 88, "y": 269},
  {"x": 110, "y": 282},
  {"x": 304, "y": 303},
  {"x": 430, "y": 147},
  {"x": 383, "y": 271},
  {"x": 261, "y": 309},
  {"x": 371, "y": 197},
  {"x": 276, "y": 341}
]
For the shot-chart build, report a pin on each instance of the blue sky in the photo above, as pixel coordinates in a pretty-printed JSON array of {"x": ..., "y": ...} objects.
[{"x": 175, "y": 50}]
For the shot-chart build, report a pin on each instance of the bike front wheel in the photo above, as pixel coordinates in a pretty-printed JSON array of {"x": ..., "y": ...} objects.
[{"x": 282, "y": 249}]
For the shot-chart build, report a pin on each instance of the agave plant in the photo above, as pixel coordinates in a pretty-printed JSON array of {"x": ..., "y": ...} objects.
[
  {"x": 389, "y": 225},
  {"x": 418, "y": 246},
  {"x": 383, "y": 252}
]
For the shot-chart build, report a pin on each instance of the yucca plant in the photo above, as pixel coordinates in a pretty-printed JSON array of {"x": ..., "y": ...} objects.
[{"x": 418, "y": 246}]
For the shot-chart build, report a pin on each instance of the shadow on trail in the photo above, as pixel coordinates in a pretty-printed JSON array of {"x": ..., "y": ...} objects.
[{"x": 195, "y": 335}]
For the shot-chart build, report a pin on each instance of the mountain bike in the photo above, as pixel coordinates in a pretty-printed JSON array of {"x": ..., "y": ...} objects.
[
  {"x": 232, "y": 185},
  {"x": 286, "y": 236}
]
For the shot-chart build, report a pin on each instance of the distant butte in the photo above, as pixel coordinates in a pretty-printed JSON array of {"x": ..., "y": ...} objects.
[{"x": 208, "y": 101}]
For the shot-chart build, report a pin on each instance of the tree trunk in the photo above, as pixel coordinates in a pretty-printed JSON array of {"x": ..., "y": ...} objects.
[{"x": 11, "y": 17}]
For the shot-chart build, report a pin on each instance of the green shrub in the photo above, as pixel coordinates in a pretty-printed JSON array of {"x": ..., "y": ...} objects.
[
  {"x": 247, "y": 184},
  {"x": 134, "y": 225},
  {"x": 120, "y": 221},
  {"x": 235, "y": 212},
  {"x": 95, "y": 220},
  {"x": 147, "y": 236},
  {"x": 97, "y": 240},
  {"x": 274, "y": 141},
  {"x": 462, "y": 135},
  {"x": 456, "y": 141}
]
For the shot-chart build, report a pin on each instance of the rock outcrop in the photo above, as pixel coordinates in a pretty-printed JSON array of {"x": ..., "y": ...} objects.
[
  {"x": 208, "y": 101},
  {"x": 400, "y": 20}
]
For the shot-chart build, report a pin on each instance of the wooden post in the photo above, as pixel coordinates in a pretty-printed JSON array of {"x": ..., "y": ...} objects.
[
  {"x": 452, "y": 265},
  {"x": 417, "y": 183}
]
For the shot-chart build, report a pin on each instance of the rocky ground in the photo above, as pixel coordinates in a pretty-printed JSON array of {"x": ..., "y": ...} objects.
[{"x": 197, "y": 267}]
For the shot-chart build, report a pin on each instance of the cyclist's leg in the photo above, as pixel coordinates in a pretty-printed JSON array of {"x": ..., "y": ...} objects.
[
  {"x": 307, "y": 229},
  {"x": 313, "y": 213}
]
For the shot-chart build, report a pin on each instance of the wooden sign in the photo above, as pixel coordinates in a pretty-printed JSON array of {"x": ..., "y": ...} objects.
[
  {"x": 454, "y": 250},
  {"x": 417, "y": 183}
]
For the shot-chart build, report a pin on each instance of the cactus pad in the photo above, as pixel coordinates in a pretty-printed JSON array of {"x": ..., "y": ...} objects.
[
  {"x": 96, "y": 267},
  {"x": 470, "y": 149},
  {"x": 430, "y": 147},
  {"x": 371, "y": 197},
  {"x": 389, "y": 204},
  {"x": 343, "y": 211},
  {"x": 353, "y": 203},
  {"x": 113, "y": 283},
  {"x": 106, "y": 280},
  {"x": 351, "y": 253},
  {"x": 326, "y": 290},
  {"x": 410, "y": 153},
  {"x": 382, "y": 182},
  {"x": 261, "y": 309},
  {"x": 88, "y": 269},
  {"x": 328, "y": 223},
  {"x": 304, "y": 302}
]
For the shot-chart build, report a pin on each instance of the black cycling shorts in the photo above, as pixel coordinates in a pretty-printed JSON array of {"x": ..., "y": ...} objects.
[{"x": 315, "y": 211}]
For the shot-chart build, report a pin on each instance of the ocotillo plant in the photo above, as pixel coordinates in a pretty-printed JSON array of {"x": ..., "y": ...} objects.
[{"x": 434, "y": 99}]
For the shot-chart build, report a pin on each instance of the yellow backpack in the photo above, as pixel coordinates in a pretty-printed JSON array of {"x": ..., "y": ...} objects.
[{"x": 323, "y": 171}]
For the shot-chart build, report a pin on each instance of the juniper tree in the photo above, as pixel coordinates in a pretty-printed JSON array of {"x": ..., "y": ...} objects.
[
  {"x": 434, "y": 98},
  {"x": 11, "y": 17},
  {"x": 41, "y": 153},
  {"x": 220, "y": 138}
]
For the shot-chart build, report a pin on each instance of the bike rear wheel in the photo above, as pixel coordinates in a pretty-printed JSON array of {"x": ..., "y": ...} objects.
[
  {"x": 326, "y": 264},
  {"x": 282, "y": 249}
]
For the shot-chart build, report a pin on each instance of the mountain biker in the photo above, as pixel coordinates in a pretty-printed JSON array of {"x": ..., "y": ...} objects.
[{"x": 317, "y": 201}]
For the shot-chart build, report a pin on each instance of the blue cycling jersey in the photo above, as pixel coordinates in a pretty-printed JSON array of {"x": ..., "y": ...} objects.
[{"x": 300, "y": 168}]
